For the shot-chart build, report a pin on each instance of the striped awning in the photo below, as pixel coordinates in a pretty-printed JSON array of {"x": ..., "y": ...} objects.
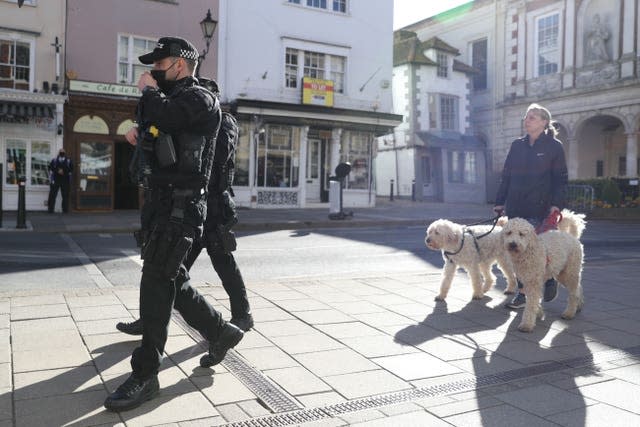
[{"x": 21, "y": 110}]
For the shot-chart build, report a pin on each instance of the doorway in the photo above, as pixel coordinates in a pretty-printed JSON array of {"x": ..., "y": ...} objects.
[
  {"x": 125, "y": 191},
  {"x": 314, "y": 176}
]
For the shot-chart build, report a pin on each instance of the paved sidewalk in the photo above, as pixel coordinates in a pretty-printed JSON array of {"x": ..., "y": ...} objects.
[{"x": 373, "y": 350}]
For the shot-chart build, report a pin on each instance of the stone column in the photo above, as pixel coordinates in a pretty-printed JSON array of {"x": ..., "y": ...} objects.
[
  {"x": 302, "y": 169},
  {"x": 573, "y": 159},
  {"x": 632, "y": 154}
]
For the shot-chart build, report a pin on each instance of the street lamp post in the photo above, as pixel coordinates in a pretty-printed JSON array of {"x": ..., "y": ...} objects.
[{"x": 208, "y": 26}]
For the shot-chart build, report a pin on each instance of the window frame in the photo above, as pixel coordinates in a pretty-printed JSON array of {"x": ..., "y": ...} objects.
[
  {"x": 351, "y": 155},
  {"x": 557, "y": 51},
  {"x": 478, "y": 64},
  {"x": 442, "y": 61},
  {"x": 453, "y": 117},
  {"x": 335, "y": 6},
  {"x": 132, "y": 60},
  {"x": 324, "y": 68},
  {"x": 24, "y": 39}
]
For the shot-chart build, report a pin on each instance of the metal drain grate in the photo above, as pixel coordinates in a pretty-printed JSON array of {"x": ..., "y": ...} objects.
[
  {"x": 270, "y": 394},
  {"x": 472, "y": 383}
]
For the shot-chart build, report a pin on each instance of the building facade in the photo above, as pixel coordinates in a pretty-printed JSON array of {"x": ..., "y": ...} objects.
[
  {"x": 31, "y": 97},
  {"x": 310, "y": 83},
  {"x": 578, "y": 58},
  {"x": 102, "y": 92},
  {"x": 432, "y": 155}
]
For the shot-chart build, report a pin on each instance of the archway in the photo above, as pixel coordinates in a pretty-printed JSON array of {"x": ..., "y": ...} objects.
[{"x": 601, "y": 146}]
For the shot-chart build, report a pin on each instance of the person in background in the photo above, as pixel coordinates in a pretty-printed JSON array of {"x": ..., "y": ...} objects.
[
  {"x": 60, "y": 170},
  {"x": 534, "y": 182}
]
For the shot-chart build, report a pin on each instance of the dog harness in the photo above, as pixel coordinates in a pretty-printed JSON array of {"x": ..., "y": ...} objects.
[{"x": 475, "y": 242}]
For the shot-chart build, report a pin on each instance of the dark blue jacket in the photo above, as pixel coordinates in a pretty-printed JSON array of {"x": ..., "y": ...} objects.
[{"x": 534, "y": 178}]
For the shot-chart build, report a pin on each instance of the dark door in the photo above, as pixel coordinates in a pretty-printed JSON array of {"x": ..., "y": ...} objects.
[{"x": 125, "y": 191}]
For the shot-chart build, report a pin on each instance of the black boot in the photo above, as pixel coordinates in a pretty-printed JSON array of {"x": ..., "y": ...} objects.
[
  {"x": 243, "y": 322},
  {"x": 229, "y": 338},
  {"x": 131, "y": 328},
  {"x": 132, "y": 393}
]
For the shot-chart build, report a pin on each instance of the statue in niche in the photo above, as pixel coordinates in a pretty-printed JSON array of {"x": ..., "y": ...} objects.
[{"x": 596, "y": 38}]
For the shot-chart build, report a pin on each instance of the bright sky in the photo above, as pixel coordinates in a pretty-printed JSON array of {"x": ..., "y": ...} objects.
[{"x": 407, "y": 12}]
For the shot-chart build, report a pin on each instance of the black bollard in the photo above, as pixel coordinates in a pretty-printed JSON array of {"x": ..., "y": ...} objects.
[
  {"x": 413, "y": 190},
  {"x": 22, "y": 205},
  {"x": 391, "y": 191}
]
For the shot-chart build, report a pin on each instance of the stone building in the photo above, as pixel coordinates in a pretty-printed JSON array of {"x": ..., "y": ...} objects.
[{"x": 579, "y": 58}]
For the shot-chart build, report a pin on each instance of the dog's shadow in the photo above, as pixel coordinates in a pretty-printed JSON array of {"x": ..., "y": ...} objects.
[{"x": 482, "y": 339}]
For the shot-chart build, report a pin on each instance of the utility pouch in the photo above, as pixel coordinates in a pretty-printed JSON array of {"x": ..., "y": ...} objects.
[
  {"x": 227, "y": 238},
  {"x": 177, "y": 255},
  {"x": 165, "y": 150}
]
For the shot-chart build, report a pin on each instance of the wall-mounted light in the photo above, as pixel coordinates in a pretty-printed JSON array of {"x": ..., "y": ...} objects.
[{"x": 60, "y": 128}]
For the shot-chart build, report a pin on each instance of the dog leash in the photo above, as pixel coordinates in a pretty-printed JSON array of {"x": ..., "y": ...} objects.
[
  {"x": 494, "y": 220},
  {"x": 475, "y": 238}
]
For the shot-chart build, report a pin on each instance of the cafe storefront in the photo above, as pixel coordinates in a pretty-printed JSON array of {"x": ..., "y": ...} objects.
[{"x": 97, "y": 116}]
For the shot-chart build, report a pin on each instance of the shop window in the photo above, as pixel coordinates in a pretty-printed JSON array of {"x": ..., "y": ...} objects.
[
  {"x": 15, "y": 67},
  {"x": 40, "y": 158},
  {"x": 278, "y": 157},
  {"x": 28, "y": 159},
  {"x": 241, "y": 177},
  {"x": 356, "y": 149},
  {"x": 462, "y": 167}
]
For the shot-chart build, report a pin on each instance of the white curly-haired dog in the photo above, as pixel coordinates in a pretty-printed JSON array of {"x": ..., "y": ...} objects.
[
  {"x": 537, "y": 258},
  {"x": 461, "y": 248},
  {"x": 572, "y": 223}
]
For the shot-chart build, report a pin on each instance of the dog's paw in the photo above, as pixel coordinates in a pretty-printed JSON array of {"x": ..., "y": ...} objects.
[
  {"x": 476, "y": 297},
  {"x": 439, "y": 298},
  {"x": 567, "y": 315},
  {"x": 509, "y": 292},
  {"x": 525, "y": 328}
]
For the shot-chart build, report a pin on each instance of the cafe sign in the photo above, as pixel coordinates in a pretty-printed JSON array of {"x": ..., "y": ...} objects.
[{"x": 104, "y": 88}]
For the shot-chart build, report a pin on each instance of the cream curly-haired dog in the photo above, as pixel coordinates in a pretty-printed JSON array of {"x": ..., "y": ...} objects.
[
  {"x": 537, "y": 258},
  {"x": 461, "y": 247}
]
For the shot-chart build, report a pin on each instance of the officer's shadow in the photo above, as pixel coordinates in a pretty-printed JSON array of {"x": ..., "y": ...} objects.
[
  {"x": 75, "y": 397},
  {"x": 482, "y": 339}
]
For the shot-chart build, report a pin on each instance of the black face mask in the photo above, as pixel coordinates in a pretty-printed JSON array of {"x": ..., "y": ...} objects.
[{"x": 160, "y": 76}]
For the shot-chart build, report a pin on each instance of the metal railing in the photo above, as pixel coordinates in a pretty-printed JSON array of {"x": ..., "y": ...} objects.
[{"x": 580, "y": 198}]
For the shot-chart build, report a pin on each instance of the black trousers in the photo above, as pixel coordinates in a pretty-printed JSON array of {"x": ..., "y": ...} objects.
[
  {"x": 165, "y": 285},
  {"x": 63, "y": 185},
  {"x": 227, "y": 269}
]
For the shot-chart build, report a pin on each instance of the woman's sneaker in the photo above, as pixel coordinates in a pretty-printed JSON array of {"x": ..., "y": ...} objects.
[
  {"x": 519, "y": 301},
  {"x": 550, "y": 290}
]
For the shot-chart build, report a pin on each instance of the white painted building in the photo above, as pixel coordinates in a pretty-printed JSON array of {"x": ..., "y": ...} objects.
[
  {"x": 578, "y": 58},
  {"x": 31, "y": 103},
  {"x": 431, "y": 155},
  {"x": 292, "y": 140}
]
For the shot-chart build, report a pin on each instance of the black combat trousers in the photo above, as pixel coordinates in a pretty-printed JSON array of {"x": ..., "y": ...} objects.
[
  {"x": 227, "y": 269},
  {"x": 164, "y": 285}
]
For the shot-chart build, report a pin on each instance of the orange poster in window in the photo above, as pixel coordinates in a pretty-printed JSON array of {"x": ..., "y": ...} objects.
[{"x": 317, "y": 92}]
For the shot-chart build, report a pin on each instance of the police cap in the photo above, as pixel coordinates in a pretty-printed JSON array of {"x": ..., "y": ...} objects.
[{"x": 170, "y": 46}]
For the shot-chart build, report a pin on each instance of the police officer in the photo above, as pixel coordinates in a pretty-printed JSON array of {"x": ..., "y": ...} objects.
[
  {"x": 60, "y": 169},
  {"x": 179, "y": 121},
  {"x": 218, "y": 238}
]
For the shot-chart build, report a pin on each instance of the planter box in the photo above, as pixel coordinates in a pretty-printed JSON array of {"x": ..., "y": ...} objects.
[{"x": 614, "y": 213}]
